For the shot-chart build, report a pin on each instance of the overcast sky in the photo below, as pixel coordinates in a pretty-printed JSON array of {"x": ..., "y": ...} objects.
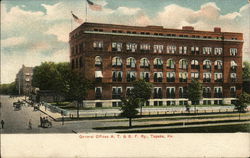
[{"x": 36, "y": 31}]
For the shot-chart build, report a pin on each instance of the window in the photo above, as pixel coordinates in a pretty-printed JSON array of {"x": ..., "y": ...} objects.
[
  {"x": 98, "y": 76},
  {"x": 182, "y": 92},
  {"x": 116, "y": 76},
  {"x": 170, "y": 76},
  {"x": 206, "y": 92},
  {"x": 145, "y": 48},
  {"x": 182, "y": 50},
  {"x": 158, "y": 63},
  {"x": 207, "y": 64},
  {"x": 218, "y": 64},
  {"x": 233, "y": 91},
  {"x": 98, "y": 61},
  {"x": 131, "y": 76},
  {"x": 217, "y": 51},
  {"x": 157, "y": 92},
  {"x": 218, "y": 77},
  {"x": 195, "y": 64},
  {"x": 117, "y": 62},
  {"x": 116, "y": 92},
  {"x": 116, "y": 46},
  {"x": 207, "y": 50},
  {"x": 218, "y": 92},
  {"x": 183, "y": 64},
  {"x": 233, "y": 51},
  {"x": 98, "y": 45},
  {"x": 145, "y": 76},
  {"x": 195, "y": 50},
  {"x": 170, "y": 92},
  {"x": 170, "y": 64},
  {"x": 98, "y": 92},
  {"x": 233, "y": 77},
  {"x": 171, "y": 49},
  {"x": 158, "y": 48},
  {"x": 144, "y": 63},
  {"x": 131, "y": 47},
  {"x": 207, "y": 77},
  {"x": 195, "y": 75},
  {"x": 129, "y": 90},
  {"x": 183, "y": 76},
  {"x": 72, "y": 50},
  {"x": 131, "y": 62},
  {"x": 72, "y": 64},
  {"x": 81, "y": 64},
  {"x": 233, "y": 66},
  {"x": 158, "y": 76}
]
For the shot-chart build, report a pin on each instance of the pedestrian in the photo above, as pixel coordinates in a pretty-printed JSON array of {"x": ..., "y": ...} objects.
[
  {"x": 41, "y": 121},
  {"x": 30, "y": 124},
  {"x": 62, "y": 120},
  {"x": 2, "y": 123}
]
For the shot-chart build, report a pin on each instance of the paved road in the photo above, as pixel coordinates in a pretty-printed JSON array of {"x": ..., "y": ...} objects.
[{"x": 17, "y": 121}]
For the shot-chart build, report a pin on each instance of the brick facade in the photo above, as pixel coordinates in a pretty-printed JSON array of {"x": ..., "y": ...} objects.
[{"x": 93, "y": 48}]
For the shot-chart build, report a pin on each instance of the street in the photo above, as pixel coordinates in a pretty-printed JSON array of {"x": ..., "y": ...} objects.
[{"x": 17, "y": 121}]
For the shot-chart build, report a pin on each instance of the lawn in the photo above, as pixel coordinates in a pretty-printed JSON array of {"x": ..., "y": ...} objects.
[{"x": 208, "y": 129}]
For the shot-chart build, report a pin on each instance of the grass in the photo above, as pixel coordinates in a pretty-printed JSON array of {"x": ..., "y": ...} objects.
[
  {"x": 207, "y": 129},
  {"x": 167, "y": 125},
  {"x": 60, "y": 104}
]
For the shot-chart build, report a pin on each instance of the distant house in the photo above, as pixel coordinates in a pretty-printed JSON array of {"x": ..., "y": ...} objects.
[
  {"x": 46, "y": 96},
  {"x": 24, "y": 80}
]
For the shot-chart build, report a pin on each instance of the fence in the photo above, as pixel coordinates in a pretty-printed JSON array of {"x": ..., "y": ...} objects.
[
  {"x": 55, "y": 109},
  {"x": 156, "y": 113}
]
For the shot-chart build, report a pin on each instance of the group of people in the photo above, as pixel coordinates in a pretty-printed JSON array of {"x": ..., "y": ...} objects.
[{"x": 43, "y": 120}]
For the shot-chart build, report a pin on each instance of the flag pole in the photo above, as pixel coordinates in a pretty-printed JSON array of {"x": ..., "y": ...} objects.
[
  {"x": 86, "y": 18},
  {"x": 71, "y": 22}
]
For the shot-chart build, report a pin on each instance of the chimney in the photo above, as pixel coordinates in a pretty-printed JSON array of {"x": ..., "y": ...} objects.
[
  {"x": 217, "y": 29},
  {"x": 190, "y": 28}
]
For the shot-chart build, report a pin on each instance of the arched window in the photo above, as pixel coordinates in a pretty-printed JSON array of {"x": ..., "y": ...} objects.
[
  {"x": 207, "y": 64},
  {"x": 158, "y": 63},
  {"x": 233, "y": 65},
  {"x": 144, "y": 63},
  {"x": 170, "y": 64},
  {"x": 218, "y": 64},
  {"x": 195, "y": 64},
  {"x": 98, "y": 61},
  {"x": 131, "y": 62},
  {"x": 116, "y": 62},
  {"x": 183, "y": 64}
]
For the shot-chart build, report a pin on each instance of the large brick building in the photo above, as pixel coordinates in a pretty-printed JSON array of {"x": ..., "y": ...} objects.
[{"x": 116, "y": 55}]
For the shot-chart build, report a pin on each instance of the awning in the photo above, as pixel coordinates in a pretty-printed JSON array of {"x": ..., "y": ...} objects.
[{"x": 98, "y": 74}]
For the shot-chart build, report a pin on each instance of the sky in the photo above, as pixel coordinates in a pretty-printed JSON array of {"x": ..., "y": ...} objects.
[{"x": 35, "y": 31}]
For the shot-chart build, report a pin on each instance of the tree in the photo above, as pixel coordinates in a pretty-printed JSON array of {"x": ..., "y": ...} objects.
[
  {"x": 9, "y": 89},
  {"x": 76, "y": 88},
  {"x": 240, "y": 104},
  {"x": 246, "y": 77},
  {"x": 128, "y": 108},
  {"x": 194, "y": 92},
  {"x": 142, "y": 92}
]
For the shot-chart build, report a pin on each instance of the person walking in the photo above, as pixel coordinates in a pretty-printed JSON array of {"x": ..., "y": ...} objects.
[
  {"x": 2, "y": 123},
  {"x": 41, "y": 121},
  {"x": 30, "y": 124}
]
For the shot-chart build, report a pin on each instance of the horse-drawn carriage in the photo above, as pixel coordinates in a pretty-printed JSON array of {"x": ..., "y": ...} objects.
[
  {"x": 46, "y": 123},
  {"x": 17, "y": 105}
]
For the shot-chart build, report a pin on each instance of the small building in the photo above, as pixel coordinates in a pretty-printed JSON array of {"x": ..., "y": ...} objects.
[{"x": 24, "y": 80}]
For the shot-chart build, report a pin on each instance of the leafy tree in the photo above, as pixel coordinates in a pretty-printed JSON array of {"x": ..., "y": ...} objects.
[
  {"x": 128, "y": 108},
  {"x": 246, "y": 77},
  {"x": 240, "y": 104},
  {"x": 76, "y": 88},
  {"x": 9, "y": 89},
  {"x": 142, "y": 92},
  {"x": 246, "y": 71},
  {"x": 194, "y": 92}
]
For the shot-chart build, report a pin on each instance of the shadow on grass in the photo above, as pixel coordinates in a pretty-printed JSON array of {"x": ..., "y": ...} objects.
[{"x": 165, "y": 125}]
